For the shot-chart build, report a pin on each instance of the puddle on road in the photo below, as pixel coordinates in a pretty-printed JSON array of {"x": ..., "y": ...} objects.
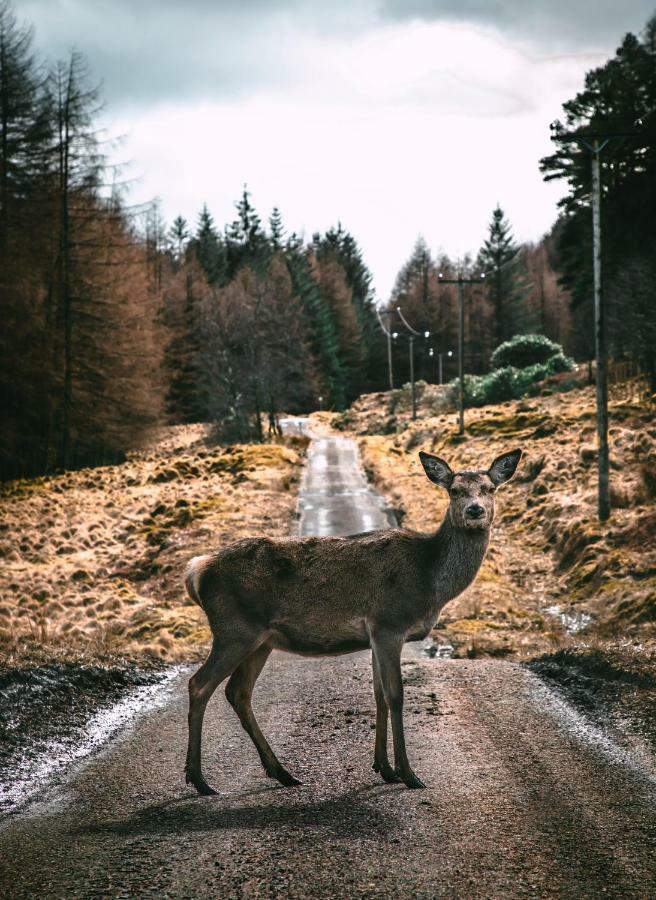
[
  {"x": 572, "y": 621},
  {"x": 429, "y": 648},
  {"x": 440, "y": 651},
  {"x": 41, "y": 763}
]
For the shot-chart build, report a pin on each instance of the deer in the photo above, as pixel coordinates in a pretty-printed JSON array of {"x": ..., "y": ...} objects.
[{"x": 318, "y": 596}]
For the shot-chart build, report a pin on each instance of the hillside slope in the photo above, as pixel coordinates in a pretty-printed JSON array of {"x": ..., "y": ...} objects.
[
  {"x": 553, "y": 571},
  {"x": 92, "y": 560}
]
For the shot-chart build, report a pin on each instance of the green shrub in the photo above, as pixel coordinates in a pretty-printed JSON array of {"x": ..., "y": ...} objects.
[
  {"x": 508, "y": 383},
  {"x": 524, "y": 350},
  {"x": 474, "y": 395}
]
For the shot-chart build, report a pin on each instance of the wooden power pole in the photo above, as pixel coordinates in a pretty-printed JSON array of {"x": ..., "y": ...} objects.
[
  {"x": 461, "y": 282},
  {"x": 595, "y": 144}
]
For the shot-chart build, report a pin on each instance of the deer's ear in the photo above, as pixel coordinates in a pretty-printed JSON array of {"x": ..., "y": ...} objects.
[
  {"x": 437, "y": 469},
  {"x": 503, "y": 467}
]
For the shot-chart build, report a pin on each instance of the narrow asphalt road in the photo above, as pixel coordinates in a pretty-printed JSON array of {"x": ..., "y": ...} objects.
[
  {"x": 335, "y": 498},
  {"x": 523, "y": 798}
]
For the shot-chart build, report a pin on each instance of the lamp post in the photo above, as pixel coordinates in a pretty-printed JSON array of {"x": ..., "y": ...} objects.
[
  {"x": 388, "y": 335},
  {"x": 460, "y": 281},
  {"x": 412, "y": 334},
  {"x": 440, "y": 357}
]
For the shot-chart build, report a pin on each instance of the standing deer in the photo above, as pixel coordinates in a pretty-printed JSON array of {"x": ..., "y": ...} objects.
[{"x": 324, "y": 596}]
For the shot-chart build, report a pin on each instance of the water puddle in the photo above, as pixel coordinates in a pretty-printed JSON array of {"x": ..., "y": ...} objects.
[
  {"x": 428, "y": 647},
  {"x": 572, "y": 621}
]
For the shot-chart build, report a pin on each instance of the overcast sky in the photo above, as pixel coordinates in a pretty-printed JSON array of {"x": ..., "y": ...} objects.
[{"x": 397, "y": 117}]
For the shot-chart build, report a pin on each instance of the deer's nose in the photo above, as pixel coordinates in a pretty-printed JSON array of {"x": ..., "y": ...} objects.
[{"x": 474, "y": 511}]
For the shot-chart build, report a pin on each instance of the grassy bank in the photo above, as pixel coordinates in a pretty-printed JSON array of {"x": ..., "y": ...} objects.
[
  {"x": 554, "y": 575},
  {"x": 92, "y": 560}
]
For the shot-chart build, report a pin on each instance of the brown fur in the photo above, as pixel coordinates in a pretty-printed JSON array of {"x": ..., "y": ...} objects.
[{"x": 318, "y": 596}]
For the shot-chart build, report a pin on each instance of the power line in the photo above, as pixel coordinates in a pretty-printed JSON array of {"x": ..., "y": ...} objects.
[
  {"x": 389, "y": 347},
  {"x": 461, "y": 282}
]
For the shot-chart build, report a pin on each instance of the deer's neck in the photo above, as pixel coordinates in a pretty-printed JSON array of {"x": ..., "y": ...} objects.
[{"x": 459, "y": 553}]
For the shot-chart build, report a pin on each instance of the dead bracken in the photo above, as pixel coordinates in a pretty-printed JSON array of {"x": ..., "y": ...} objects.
[
  {"x": 549, "y": 551},
  {"x": 92, "y": 559}
]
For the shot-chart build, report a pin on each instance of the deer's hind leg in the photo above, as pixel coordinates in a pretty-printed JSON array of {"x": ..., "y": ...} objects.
[
  {"x": 226, "y": 654},
  {"x": 239, "y": 692}
]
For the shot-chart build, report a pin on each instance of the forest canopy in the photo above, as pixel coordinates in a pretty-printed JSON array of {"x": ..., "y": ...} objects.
[{"x": 115, "y": 322}]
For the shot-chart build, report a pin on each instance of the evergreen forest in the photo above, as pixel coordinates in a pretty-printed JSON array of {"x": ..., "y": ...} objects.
[{"x": 115, "y": 322}]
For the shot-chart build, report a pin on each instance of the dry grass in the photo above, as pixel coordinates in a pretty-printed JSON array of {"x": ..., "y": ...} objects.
[
  {"x": 92, "y": 560},
  {"x": 548, "y": 548}
]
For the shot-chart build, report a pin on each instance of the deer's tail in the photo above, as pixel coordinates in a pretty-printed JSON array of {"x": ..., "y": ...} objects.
[{"x": 192, "y": 577}]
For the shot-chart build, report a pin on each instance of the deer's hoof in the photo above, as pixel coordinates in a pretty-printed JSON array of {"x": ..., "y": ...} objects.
[
  {"x": 284, "y": 777},
  {"x": 201, "y": 785},
  {"x": 410, "y": 780},
  {"x": 387, "y": 773}
]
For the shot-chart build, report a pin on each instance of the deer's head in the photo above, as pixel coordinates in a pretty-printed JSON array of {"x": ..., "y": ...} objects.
[{"x": 471, "y": 492}]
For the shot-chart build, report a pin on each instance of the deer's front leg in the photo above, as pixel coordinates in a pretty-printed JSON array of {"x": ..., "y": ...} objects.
[
  {"x": 381, "y": 761},
  {"x": 387, "y": 651}
]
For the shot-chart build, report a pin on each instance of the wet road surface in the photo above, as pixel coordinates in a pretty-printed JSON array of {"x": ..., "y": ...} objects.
[
  {"x": 335, "y": 498},
  {"x": 523, "y": 798}
]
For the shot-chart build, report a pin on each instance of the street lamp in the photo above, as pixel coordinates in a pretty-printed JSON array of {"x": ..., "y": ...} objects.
[
  {"x": 412, "y": 334},
  {"x": 388, "y": 335},
  {"x": 440, "y": 356}
]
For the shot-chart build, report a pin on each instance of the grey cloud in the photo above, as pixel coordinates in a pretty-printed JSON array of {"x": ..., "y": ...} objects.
[
  {"x": 146, "y": 50},
  {"x": 566, "y": 23},
  {"x": 151, "y": 50}
]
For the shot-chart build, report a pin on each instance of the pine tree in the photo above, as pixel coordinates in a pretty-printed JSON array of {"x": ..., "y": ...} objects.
[
  {"x": 337, "y": 295},
  {"x": 276, "y": 229},
  {"x": 618, "y": 97},
  {"x": 178, "y": 237},
  {"x": 417, "y": 292},
  {"x": 415, "y": 273},
  {"x": 507, "y": 285},
  {"x": 246, "y": 242},
  {"x": 255, "y": 352},
  {"x": 321, "y": 324},
  {"x": 338, "y": 245},
  {"x": 186, "y": 294},
  {"x": 24, "y": 130},
  {"x": 77, "y": 168},
  {"x": 209, "y": 248}
]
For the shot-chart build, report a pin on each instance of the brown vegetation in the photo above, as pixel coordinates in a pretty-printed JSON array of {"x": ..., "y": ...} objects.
[
  {"x": 553, "y": 571},
  {"x": 92, "y": 560}
]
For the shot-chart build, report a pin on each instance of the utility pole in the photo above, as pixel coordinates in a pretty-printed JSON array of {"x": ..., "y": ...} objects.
[
  {"x": 461, "y": 357},
  {"x": 413, "y": 333},
  {"x": 461, "y": 282},
  {"x": 449, "y": 354},
  {"x": 411, "y": 344},
  {"x": 388, "y": 334},
  {"x": 595, "y": 144},
  {"x": 603, "y": 499}
]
